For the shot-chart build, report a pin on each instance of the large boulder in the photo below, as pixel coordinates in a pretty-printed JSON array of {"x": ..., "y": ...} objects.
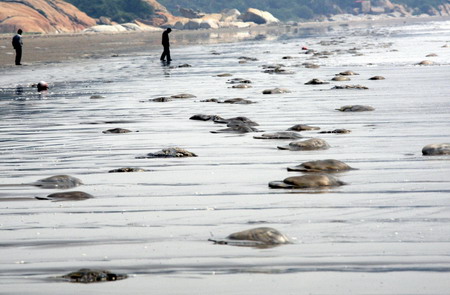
[
  {"x": 193, "y": 24},
  {"x": 190, "y": 13},
  {"x": 212, "y": 16},
  {"x": 258, "y": 16},
  {"x": 230, "y": 15},
  {"x": 196, "y": 23},
  {"x": 179, "y": 25},
  {"x": 209, "y": 24},
  {"x": 42, "y": 16}
]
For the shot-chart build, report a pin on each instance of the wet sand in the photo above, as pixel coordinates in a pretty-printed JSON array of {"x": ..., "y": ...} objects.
[
  {"x": 66, "y": 47},
  {"x": 54, "y": 48},
  {"x": 385, "y": 232}
]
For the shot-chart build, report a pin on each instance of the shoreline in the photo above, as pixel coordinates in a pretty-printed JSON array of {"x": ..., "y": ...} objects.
[{"x": 57, "y": 48}]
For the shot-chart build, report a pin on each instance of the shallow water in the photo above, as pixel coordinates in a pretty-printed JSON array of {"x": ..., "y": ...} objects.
[{"x": 386, "y": 232}]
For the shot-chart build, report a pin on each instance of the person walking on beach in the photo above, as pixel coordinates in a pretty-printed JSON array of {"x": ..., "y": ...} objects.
[
  {"x": 166, "y": 45},
  {"x": 17, "y": 44}
]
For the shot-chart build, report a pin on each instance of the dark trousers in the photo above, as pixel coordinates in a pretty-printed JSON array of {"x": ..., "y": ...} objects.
[
  {"x": 18, "y": 55},
  {"x": 166, "y": 53}
]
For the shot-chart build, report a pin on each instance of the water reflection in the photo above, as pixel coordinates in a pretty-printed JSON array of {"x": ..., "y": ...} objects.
[{"x": 19, "y": 90}]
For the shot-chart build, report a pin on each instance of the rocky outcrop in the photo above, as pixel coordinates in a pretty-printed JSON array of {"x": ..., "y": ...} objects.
[
  {"x": 42, "y": 16},
  {"x": 259, "y": 17},
  {"x": 127, "y": 27},
  {"x": 226, "y": 19},
  {"x": 161, "y": 15},
  {"x": 230, "y": 15},
  {"x": 386, "y": 6},
  {"x": 441, "y": 10},
  {"x": 157, "y": 6},
  {"x": 190, "y": 13},
  {"x": 231, "y": 18},
  {"x": 444, "y": 9}
]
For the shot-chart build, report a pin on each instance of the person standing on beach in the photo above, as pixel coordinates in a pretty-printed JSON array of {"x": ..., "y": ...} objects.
[
  {"x": 166, "y": 45},
  {"x": 17, "y": 44}
]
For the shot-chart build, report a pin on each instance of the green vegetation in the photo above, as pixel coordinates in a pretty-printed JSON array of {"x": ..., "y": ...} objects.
[
  {"x": 283, "y": 9},
  {"x": 290, "y": 9},
  {"x": 421, "y": 6},
  {"x": 118, "y": 10},
  {"x": 127, "y": 10}
]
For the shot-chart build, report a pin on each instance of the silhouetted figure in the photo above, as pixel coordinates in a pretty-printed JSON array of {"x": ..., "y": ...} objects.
[
  {"x": 166, "y": 45},
  {"x": 17, "y": 44}
]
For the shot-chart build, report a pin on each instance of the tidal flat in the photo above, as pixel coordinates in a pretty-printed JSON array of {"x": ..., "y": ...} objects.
[{"x": 386, "y": 231}]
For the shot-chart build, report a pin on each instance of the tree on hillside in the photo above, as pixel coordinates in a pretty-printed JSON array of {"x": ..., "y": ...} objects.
[{"x": 118, "y": 10}]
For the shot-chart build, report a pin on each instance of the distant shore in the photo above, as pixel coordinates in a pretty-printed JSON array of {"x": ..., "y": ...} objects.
[{"x": 55, "y": 48}]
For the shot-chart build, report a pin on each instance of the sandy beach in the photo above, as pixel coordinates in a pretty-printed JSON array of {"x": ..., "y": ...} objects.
[
  {"x": 65, "y": 47},
  {"x": 384, "y": 229}
]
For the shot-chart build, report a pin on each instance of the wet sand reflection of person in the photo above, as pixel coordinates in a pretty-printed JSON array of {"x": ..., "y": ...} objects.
[
  {"x": 166, "y": 45},
  {"x": 19, "y": 90}
]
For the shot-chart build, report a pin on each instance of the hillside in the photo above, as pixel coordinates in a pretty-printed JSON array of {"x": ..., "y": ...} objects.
[
  {"x": 308, "y": 9},
  {"x": 42, "y": 16}
]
